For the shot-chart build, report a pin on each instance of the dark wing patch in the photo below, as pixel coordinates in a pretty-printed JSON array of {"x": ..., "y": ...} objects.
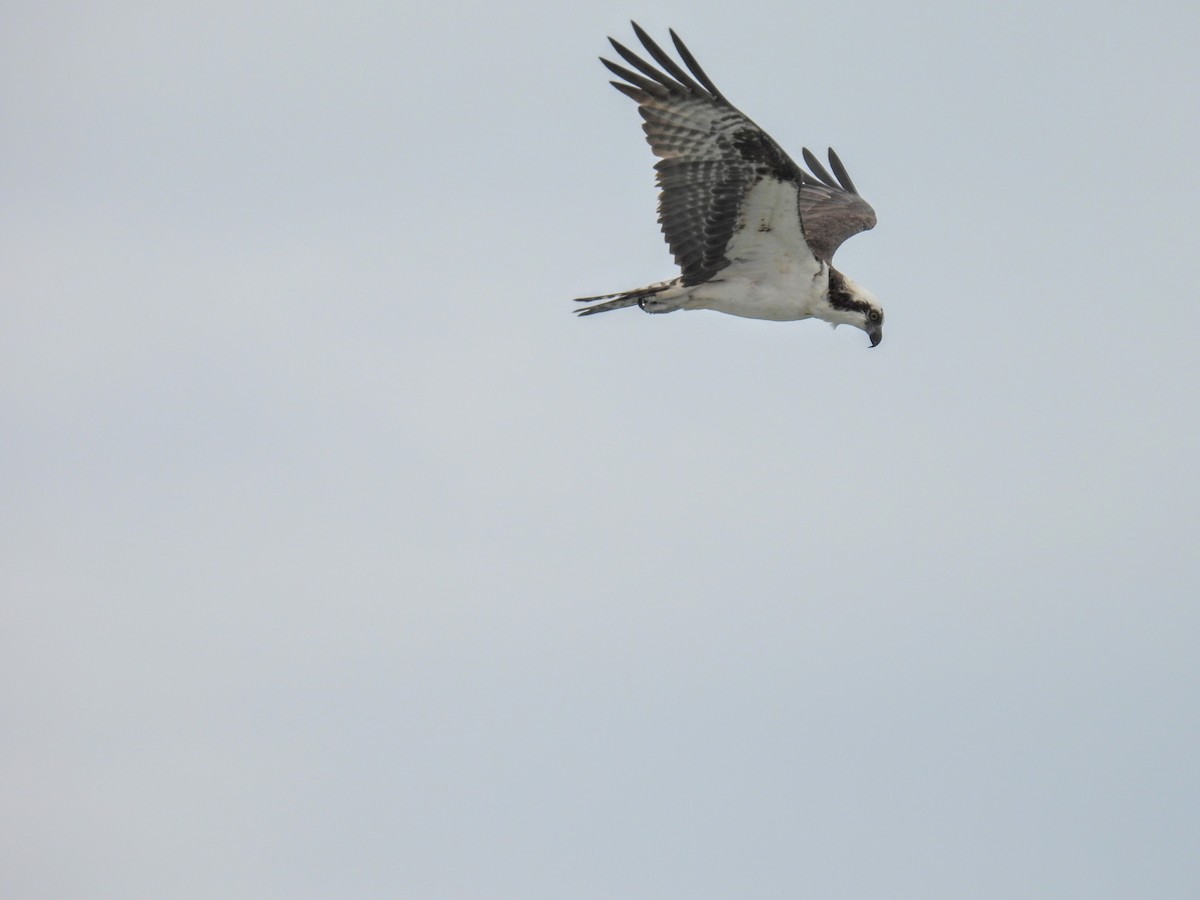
[{"x": 710, "y": 154}]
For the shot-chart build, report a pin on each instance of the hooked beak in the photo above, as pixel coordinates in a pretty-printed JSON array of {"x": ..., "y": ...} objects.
[{"x": 876, "y": 335}]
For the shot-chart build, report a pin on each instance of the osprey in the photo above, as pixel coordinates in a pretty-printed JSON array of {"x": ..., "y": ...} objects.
[{"x": 752, "y": 232}]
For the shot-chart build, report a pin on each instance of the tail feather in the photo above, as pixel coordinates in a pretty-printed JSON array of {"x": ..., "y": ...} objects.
[
  {"x": 620, "y": 302},
  {"x": 621, "y": 299}
]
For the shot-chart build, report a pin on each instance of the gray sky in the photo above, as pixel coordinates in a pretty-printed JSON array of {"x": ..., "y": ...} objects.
[{"x": 339, "y": 560}]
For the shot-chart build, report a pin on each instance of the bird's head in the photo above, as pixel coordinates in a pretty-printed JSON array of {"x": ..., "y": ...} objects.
[{"x": 852, "y": 304}]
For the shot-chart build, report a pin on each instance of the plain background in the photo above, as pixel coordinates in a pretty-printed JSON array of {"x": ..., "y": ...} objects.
[{"x": 340, "y": 560}]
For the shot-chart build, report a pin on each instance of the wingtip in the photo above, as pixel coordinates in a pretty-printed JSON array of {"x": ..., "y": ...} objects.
[
  {"x": 819, "y": 172},
  {"x": 839, "y": 169}
]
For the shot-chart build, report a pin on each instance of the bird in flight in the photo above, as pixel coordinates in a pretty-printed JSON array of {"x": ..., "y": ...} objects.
[{"x": 753, "y": 233}]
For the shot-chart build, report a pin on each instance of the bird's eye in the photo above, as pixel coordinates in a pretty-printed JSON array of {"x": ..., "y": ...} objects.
[{"x": 873, "y": 315}]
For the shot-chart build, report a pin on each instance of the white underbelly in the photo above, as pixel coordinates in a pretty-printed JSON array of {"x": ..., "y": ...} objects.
[
  {"x": 779, "y": 300},
  {"x": 773, "y": 273}
]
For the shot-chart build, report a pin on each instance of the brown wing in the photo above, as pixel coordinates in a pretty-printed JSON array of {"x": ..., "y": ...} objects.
[
  {"x": 711, "y": 155},
  {"x": 831, "y": 210}
]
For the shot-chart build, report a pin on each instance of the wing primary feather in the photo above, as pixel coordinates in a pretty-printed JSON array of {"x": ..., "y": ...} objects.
[
  {"x": 840, "y": 171},
  {"x": 664, "y": 60},
  {"x": 687, "y": 57},
  {"x": 645, "y": 68},
  {"x": 653, "y": 88},
  {"x": 635, "y": 94},
  {"x": 818, "y": 170}
]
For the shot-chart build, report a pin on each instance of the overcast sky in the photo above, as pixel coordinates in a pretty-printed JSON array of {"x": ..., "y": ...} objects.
[{"x": 340, "y": 560}]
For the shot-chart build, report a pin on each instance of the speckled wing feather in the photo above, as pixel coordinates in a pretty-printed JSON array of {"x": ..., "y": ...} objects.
[{"x": 711, "y": 155}]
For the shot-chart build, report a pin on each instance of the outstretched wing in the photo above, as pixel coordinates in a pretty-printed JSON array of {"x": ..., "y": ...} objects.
[
  {"x": 831, "y": 210},
  {"x": 712, "y": 155}
]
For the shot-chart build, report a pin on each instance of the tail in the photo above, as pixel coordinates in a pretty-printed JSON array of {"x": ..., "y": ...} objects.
[{"x": 621, "y": 299}]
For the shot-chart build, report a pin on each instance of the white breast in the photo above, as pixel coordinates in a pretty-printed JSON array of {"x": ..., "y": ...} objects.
[{"x": 773, "y": 274}]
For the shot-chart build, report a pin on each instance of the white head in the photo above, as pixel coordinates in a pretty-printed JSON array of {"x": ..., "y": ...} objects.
[{"x": 851, "y": 304}]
